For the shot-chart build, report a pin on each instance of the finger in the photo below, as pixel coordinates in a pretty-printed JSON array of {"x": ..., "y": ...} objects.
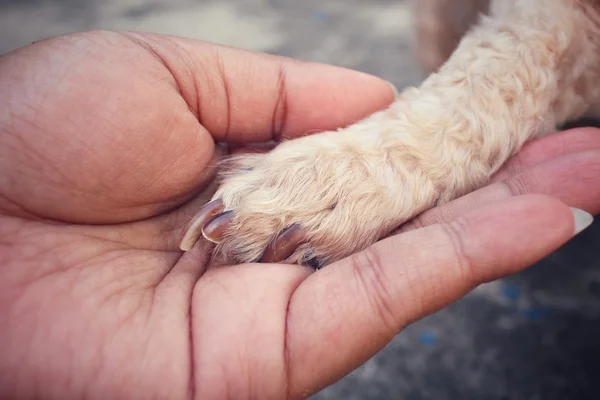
[
  {"x": 572, "y": 178},
  {"x": 546, "y": 148},
  {"x": 343, "y": 314},
  {"x": 241, "y": 96}
]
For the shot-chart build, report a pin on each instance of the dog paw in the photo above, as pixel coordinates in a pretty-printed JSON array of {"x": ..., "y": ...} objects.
[{"x": 313, "y": 200}]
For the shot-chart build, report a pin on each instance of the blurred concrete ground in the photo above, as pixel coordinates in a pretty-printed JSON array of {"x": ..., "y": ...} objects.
[
  {"x": 352, "y": 33},
  {"x": 532, "y": 336}
]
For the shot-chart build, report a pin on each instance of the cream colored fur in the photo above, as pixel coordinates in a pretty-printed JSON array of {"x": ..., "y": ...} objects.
[{"x": 530, "y": 65}]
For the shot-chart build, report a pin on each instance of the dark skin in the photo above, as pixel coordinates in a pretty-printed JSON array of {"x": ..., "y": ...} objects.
[{"x": 107, "y": 148}]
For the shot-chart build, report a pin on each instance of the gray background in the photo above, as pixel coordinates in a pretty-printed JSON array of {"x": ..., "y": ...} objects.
[{"x": 532, "y": 336}]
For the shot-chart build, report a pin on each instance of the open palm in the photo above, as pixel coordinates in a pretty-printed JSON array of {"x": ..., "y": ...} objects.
[{"x": 107, "y": 148}]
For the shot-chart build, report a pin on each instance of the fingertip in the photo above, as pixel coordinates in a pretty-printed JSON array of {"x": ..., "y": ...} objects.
[
  {"x": 395, "y": 90},
  {"x": 510, "y": 235}
]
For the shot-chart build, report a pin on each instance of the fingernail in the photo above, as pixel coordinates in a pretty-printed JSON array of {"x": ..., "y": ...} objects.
[
  {"x": 394, "y": 89},
  {"x": 583, "y": 219}
]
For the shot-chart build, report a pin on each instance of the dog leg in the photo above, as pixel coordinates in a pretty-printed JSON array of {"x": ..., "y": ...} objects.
[{"x": 530, "y": 66}]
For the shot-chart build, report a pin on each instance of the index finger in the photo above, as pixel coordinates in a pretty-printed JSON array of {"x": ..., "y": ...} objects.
[{"x": 242, "y": 96}]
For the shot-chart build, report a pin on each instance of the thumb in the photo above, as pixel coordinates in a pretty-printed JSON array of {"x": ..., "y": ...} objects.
[{"x": 342, "y": 315}]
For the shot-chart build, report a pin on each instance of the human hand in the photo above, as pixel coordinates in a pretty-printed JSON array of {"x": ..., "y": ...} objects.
[{"x": 107, "y": 149}]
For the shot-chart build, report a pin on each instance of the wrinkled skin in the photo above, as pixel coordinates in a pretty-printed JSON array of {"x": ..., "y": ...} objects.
[{"x": 107, "y": 149}]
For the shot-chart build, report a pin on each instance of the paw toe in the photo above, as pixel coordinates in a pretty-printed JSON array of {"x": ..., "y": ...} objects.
[
  {"x": 242, "y": 237},
  {"x": 215, "y": 229},
  {"x": 284, "y": 245},
  {"x": 193, "y": 231}
]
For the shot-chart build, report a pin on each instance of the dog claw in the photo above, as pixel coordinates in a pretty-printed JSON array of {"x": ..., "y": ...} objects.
[
  {"x": 214, "y": 230},
  {"x": 284, "y": 245},
  {"x": 193, "y": 231}
]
